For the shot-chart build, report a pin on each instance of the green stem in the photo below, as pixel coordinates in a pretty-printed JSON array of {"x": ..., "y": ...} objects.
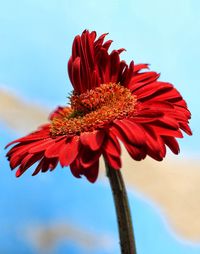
[{"x": 127, "y": 240}]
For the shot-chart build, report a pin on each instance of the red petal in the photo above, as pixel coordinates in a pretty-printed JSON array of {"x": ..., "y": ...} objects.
[
  {"x": 69, "y": 151},
  {"x": 155, "y": 146},
  {"x": 152, "y": 90},
  {"x": 54, "y": 149},
  {"x": 43, "y": 145},
  {"x": 166, "y": 131},
  {"x": 141, "y": 81},
  {"x": 93, "y": 140},
  {"x": 132, "y": 131}
]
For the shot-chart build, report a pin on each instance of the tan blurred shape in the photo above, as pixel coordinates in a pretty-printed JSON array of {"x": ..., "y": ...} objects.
[
  {"x": 45, "y": 238},
  {"x": 174, "y": 184},
  {"x": 19, "y": 115}
]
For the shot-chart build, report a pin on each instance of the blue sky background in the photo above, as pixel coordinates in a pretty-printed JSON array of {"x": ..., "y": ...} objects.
[{"x": 35, "y": 44}]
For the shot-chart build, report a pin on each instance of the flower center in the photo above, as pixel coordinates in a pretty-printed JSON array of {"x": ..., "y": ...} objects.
[{"x": 93, "y": 110}]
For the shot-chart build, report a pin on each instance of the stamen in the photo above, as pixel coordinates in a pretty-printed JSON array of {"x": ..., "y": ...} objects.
[{"x": 94, "y": 109}]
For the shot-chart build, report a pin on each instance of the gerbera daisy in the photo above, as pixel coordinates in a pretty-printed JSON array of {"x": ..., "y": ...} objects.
[{"x": 111, "y": 102}]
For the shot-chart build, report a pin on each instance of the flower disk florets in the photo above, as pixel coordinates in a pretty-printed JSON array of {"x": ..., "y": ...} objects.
[{"x": 94, "y": 109}]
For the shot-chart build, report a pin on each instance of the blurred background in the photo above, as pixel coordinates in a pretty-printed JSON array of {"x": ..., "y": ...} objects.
[{"x": 54, "y": 212}]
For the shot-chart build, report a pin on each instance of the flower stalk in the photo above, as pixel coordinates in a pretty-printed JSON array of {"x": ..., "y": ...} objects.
[{"x": 125, "y": 228}]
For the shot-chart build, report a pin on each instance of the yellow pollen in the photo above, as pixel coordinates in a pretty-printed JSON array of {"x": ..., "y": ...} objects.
[{"x": 94, "y": 109}]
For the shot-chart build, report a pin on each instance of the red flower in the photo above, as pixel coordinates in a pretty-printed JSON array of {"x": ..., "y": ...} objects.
[{"x": 111, "y": 101}]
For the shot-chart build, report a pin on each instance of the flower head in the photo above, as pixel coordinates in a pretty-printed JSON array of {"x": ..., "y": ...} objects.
[{"x": 111, "y": 102}]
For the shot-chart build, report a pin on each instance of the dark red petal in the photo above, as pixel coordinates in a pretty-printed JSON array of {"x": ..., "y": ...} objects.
[
  {"x": 75, "y": 168},
  {"x": 92, "y": 172},
  {"x": 53, "y": 163},
  {"x": 45, "y": 165},
  {"x": 112, "y": 145},
  {"x": 107, "y": 44},
  {"x": 155, "y": 147},
  {"x": 49, "y": 164},
  {"x": 76, "y": 47},
  {"x": 114, "y": 66},
  {"x": 172, "y": 144},
  {"x": 127, "y": 78},
  {"x": 121, "y": 50},
  {"x": 93, "y": 139},
  {"x": 27, "y": 162},
  {"x": 113, "y": 161},
  {"x": 38, "y": 168},
  {"x": 103, "y": 62},
  {"x": 122, "y": 68},
  {"x": 89, "y": 51},
  {"x": 30, "y": 159},
  {"x": 135, "y": 152},
  {"x": 100, "y": 40},
  {"x": 139, "y": 67},
  {"x": 70, "y": 62},
  {"x": 88, "y": 157},
  {"x": 76, "y": 74},
  {"x": 69, "y": 151},
  {"x": 185, "y": 127}
]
